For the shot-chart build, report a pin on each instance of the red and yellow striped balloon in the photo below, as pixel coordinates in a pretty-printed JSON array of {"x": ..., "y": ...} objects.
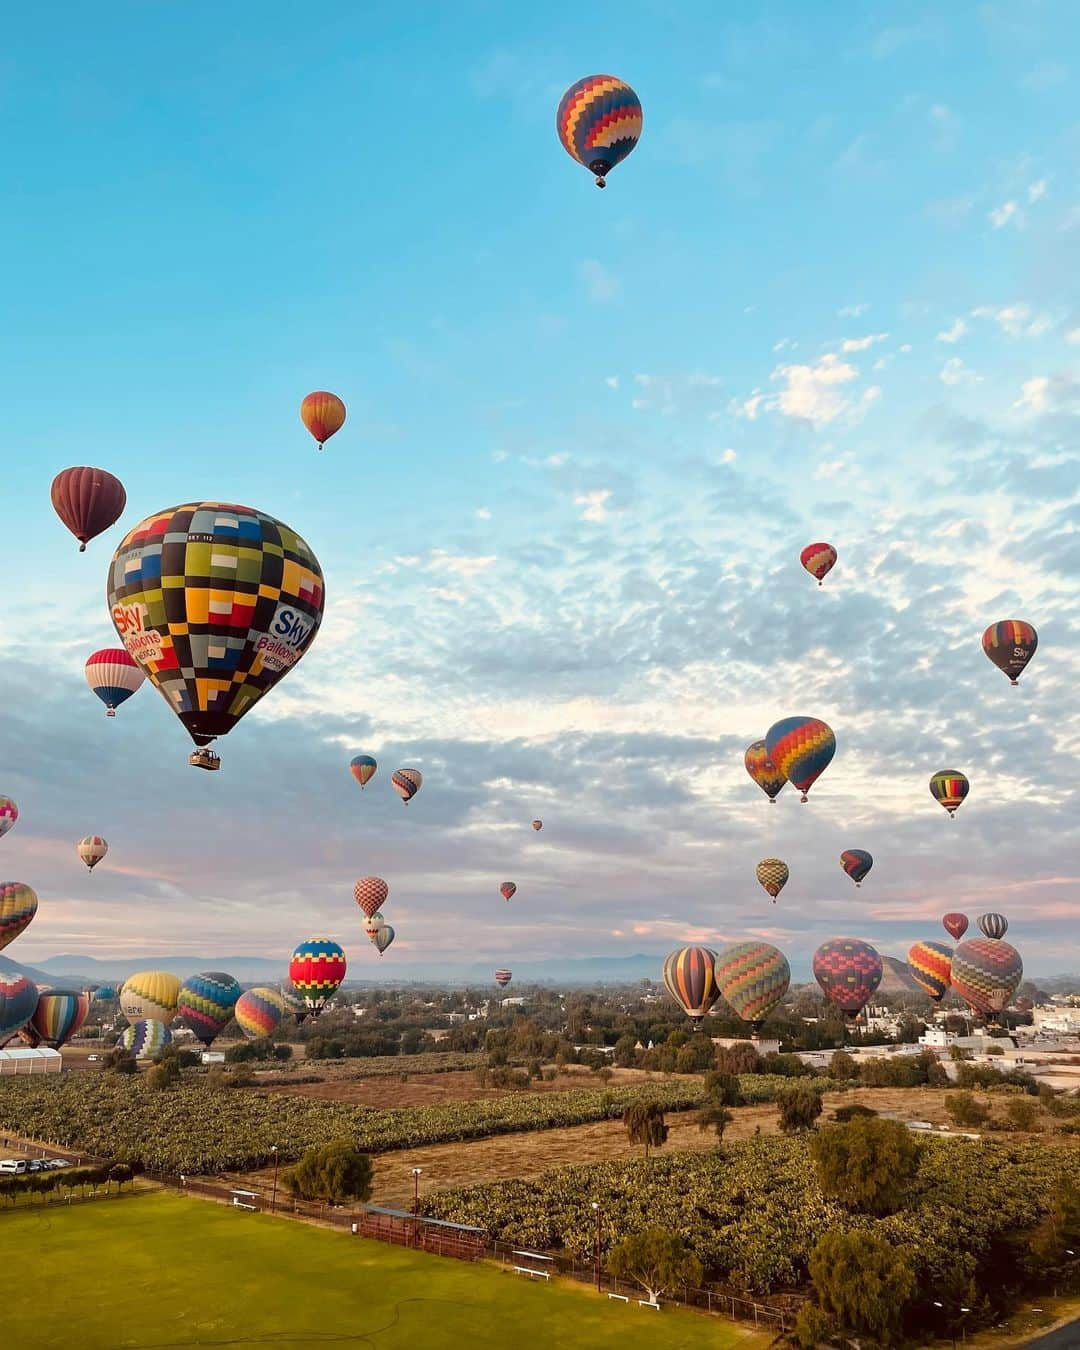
[
  {"x": 323, "y": 414},
  {"x": 819, "y": 560},
  {"x": 949, "y": 787},
  {"x": 930, "y": 965}
]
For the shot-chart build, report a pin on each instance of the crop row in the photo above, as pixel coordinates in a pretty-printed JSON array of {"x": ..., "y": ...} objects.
[{"x": 394, "y": 1066}]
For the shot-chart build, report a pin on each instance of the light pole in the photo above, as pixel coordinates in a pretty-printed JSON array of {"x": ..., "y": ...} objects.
[
  {"x": 273, "y": 1193},
  {"x": 596, "y": 1244},
  {"x": 416, "y": 1203}
]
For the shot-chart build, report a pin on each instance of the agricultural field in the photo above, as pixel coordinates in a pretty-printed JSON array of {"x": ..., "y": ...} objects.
[{"x": 190, "y": 1273}]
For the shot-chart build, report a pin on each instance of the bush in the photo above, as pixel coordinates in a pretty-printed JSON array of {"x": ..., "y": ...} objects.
[
  {"x": 739, "y": 1058},
  {"x": 812, "y": 1326},
  {"x": 963, "y": 1109},
  {"x": 1022, "y": 1113},
  {"x": 843, "y": 1114},
  {"x": 866, "y": 1164},
  {"x": 843, "y": 1066},
  {"x": 787, "y": 1066},
  {"x": 334, "y": 1172},
  {"x": 800, "y": 1107},
  {"x": 863, "y": 1282}
]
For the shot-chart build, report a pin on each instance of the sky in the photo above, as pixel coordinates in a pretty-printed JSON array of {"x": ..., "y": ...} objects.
[{"x": 831, "y": 295}]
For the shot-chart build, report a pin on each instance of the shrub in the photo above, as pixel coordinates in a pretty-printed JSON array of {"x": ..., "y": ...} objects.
[
  {"x": 843, "y": 1066},
  {"x": 800, "y": 1107},
  {"x": 866, "y": 1164},
  {"x": 855, "y": 1111},
  {"x": 739, "y": 1058},
  {"x": 812, "y": 1326},
  {"x": 335, "y": 1172},
  {"x": 963, "y": 1109},
  {"x": 1022, "y": 1113}
]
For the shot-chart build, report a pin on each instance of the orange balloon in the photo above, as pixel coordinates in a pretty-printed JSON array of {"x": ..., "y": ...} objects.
[{"x": 323, "y": 414}]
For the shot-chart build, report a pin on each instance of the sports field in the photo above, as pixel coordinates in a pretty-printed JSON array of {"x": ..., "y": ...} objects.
[{"x": 157, "y": 1271}]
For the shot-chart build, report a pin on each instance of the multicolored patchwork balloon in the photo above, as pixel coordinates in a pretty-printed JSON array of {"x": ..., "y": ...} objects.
[
  {"x": 503, "y": 978},
  {"x": 762, "y": 770},
  {"x": 144, "y": 1039},
  {"x": 949, "y": 787},
  {"x": 406, "y": 783},
  {"x": 993, "y": 925},
  {"x": 753, "y": 978},
  {"x": 18, "y": 1000},
  {"x": 986, "y": 973},
  {"x": 91, "y": 850},
  {"x": 258, "y": 1012},
  {"x": 217, "y": 603},
  {"x": 9, "y": 814},
  {"x": 1010, "y": 644},
  {"x": 856, "y": 862},
  {"x": 363, "y": 768},
  {"x": 205, "y": 1003},
  {"x": 802, "y": 749},
  {"x": 58, "y": 1015},
  {"x": 819, "y": 560},
  {"x": 293, "y": 1002},
  {"x": 690, "y": 977},
  {"x": 955, "y": 924},
  {"x": 507, "y": 890},
  {"x": 323, "y": 414},
  {"x": 151, "y": 995},
  {"x": 113, "y": 676},
  {"x": 18, "y": 905},
  {"x": 930, "y": 965},
  {"x": 772, "y": 875},
  {"x": 848, "y": 970},
  {"x": 370, "y": 893},
  {"x": 316, "y": 970},
  {"x": 87, "y": 501},
  {"x": 598, "y": 123}
]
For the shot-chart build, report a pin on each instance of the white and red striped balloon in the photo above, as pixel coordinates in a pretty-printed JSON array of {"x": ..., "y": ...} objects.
[{"x": 114, "y": 677}]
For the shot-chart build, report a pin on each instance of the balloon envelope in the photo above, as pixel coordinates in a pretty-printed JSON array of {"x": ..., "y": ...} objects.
[
  {"x": 599, "y": 122},
  {"x": 323, "y": 414},
  {"x": 205, "y": 1003},
  {"x": 293, "y": 1002},
  {"x": 955, "y": 924},
  {"x": 258, "y": 1012},
  {"x": 59, "y": 1014},
  {"x": 316, "y": 970},
  {"x": 818, "y": 559},
  {"x": 9, "y": 814},
  {"x": 993, "y": 925},
  {"x": 930, "y": 965},
  {"x": 406, "y": 783},
  {"x": 217, "y": 603},
  {"x": 91, "y": 850},
  {"x": 18, "y": 1000},
  {"x": 150, "y": 995},
  {"x": 772, "y": 875},
  {"x": 113, "y": 676},
  {"x": 538, "y": 824},
  {"x": 507, "y": 890},
  {"x": 503, "y": 978},
  {"x": 801, "y": 748},
  {"x": 848, "y": 971},
  {"x": 690, "y": 977},
  {"x": 144, "y": 1039},
  {"x": 856, "y": 862},
  {"x": 986, "y": 973},
  {"x": 753, "y": 978},
  {"x": 363, "y": 768},
  {"x": 949, "y": 787},
  {"x": 370, "y": 893},
  {"x": 1010, "y": 644},
  {"x": 87, "y": 501},
  {"x": 18, "y": 905},
  {"x": 762, "y": 770},
  {"x": 384, "y": 935}
]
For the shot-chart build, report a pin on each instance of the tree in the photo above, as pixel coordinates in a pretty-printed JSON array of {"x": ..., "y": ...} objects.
[
  {"x": 909, "y": 1028},
  {"x": 723, "y": 1088},
  {"x": 842, "y": 1065},
  {"x": 812, "y": 1327},
  {"x": 843, "y": 1114},
  {"x": 335, "y": 1172},
  {"x": 800, "y": 1106},
  {"x": 866, "y": 1163},
  {"x": 164, "y": 1074},
  {"x": 738, "y": 1058},
  {"x": 655, "y": 1259},
  {"x": 863, "y": 1282},
  {"x": 625, "y": 1052},
  {"x": 714, "y": 1116},
  {"x": 959, "y": 1053},
  {"x": 965, "y": 1110},
  {"x": 644, "y": 1121}
]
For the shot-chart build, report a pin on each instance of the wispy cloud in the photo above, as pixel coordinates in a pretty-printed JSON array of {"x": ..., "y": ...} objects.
[
  {"x": 593, "y": 505},
  {"x": 954, "y": 372},
  {"x": 1000, "y": 216},
  {"x": 954, "y": 332},
  {"x": 861, "y": 344},
  {"x": 601, "y": 286},
  {"x": 1017, "y": 320}
]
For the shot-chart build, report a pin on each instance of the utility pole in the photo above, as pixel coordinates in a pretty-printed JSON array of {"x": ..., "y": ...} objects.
[
  {"x": 596, "y": 1244},
  {"x": 416, "y": 1204},
  {"x": 273, "y": 1193}
]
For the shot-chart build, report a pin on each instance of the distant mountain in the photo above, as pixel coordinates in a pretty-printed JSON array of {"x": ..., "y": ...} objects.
[
  {"x": 113, "y": 970},
  {"x": 39, "y": 976},
  {"x": 896, "y": 978}
]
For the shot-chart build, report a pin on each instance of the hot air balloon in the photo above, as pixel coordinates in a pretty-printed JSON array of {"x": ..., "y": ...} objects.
[
  {"x": 762, "y": 770},
  {"x": 848, "y": 971},
  {"x": 956, "y": 925},
  {"x": 383, "y": 938},
  {"x": 753, "y": 977},
  {"x": 258, "y": 1012},
  {"x": 217, "y": 603},
  {"x": 507, "y": 890},
  {"x": 18, "y": 905},
  {"x": 363, "y": 768},
  {"x": 986, "y": 973},
  {"x": 9, "y": 814},
  {"x": 145, "y": 1039},
  {"x": 91, "y": 850},
  {"x": 103, "y": 993},
  {"x": 293, "y": 1002},
  {"x": 1010, "y": 644},
  {"x": 949, "y": 788},
  {"x": 690, "y": 976},
  {"x": 205, "y": 1003},
  {"x": 316, "y": 970},
  {"x": 772, "y": 874},
  {"x": 802, "y": 749},
  {"x": 856, "y": 862},
  {"x": 818, "y": 559},
  {"x": 114, "y": 677},
  {"x": 87, "y": 501},
  {"x": 538, "y": 825},
  {"x": 503, "y": 978},
  {"x": 930, "y": 965},
  {"x": 599, "y": 123},
  {"x": 369, "y": 893},
  {"x": 18, "y": 999},
  {"x": 150, "y": 995},
  {"x": 58, "y": 1015},
  {"x": 406, "y": 783},
  {"x": 323, "y": 414},
  {"x": 993, "y": 925}
]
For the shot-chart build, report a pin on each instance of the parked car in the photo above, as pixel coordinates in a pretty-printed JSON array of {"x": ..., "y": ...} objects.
[
  {"x": 37, "y": 1165},
  {"x": 92, "y": 1059},
  {"x": 13, "y": 1166},
  {"x": 57, "y": 1162}
]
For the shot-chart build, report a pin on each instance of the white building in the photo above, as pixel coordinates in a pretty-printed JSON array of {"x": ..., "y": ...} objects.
[
  {"x": 766, "y": 1047},
  {"x": 22, "y": 1059}
]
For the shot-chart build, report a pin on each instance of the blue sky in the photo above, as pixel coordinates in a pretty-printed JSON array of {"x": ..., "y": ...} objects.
[{"x": 832, "y": 294}]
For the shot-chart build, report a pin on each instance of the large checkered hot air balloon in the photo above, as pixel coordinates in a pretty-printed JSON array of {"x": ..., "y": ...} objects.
[
  {"x": 217, "y": 603},
  {"x": 762, "y": 770},
  {"x": 930, "y": 966},
  {"x": 371, "y": 893},
  {"x": 986, "y": 973},
  {"x": 949, "y": 787},
  {"x": 753, "y": 978},
  {"x": 599, "y": 122},
  {"x": 690, "y": 976},
  {"x": 18, "y": 905},
  {"x": 802, "y": 749},
  {"x": 316, "y": 970},
  {"x": 113, "y": 676},
  {"x": 848, "y": 971},
  {"x": 1010, "y": 644},
  {"x": 205, "y": 1003}
]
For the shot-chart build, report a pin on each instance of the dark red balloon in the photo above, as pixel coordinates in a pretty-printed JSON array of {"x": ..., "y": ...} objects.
[{"x": 87, "y": 501}]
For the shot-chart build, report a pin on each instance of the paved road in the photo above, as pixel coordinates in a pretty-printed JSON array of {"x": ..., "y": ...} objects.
[{"x": 1065, "y": 1338}]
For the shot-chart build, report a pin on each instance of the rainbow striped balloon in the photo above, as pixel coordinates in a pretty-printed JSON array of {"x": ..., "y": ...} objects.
[
  {"x": 59, "y": 1014},
  {"x": 802, "y": 749},
  {"x": 18, "y": 905},
  {"x": 1010, "y": 644},
  {"x": 598, "y": 123},
  {"x": 206, "y": 1003},
  {"x": 930, "y": 964},
  {"x": 690, "y": 976},
  {"x": 753, "y": 978},
  {"x": 949, "y": 787},
  {"x": 258, "y": 1012}
]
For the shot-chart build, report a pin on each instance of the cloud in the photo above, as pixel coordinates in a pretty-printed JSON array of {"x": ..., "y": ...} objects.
[
  {"x": 954, "y": 332},
  {"x": 482, "y": 513},
  {"x": 1042, "y": 78},
  {"x": 950, "y": 211},
  {"x": 1000, "y": 216},
  {"x": 1072, "y": 337},
  {"x": 1033, "y": 394},
  {"x": 1017, "y": 320},
  {"x": 612, "y": 381},
  {"x": 954, "y": 372},
  {"x": 853, "y": 311},
  {"x": 814, "y": 392},
  {"x": 945, "y": 124},
  {"x": 1036, "y": 191},
  {"x": 728, "y": 456},
  {"x": 594, "y": 504},
  {"x": 861, "y": 344},
  {"x": 601, "y": 286},
  {"x": 1045, "y": 392},
  {"x": 441, "y": 561}
]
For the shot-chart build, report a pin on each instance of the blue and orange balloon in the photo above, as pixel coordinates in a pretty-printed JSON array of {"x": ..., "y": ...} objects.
[
  {"x": 599, "y": 123},
  {"x": 363, "y": 768},
  {"x": 801, "y": 748}
]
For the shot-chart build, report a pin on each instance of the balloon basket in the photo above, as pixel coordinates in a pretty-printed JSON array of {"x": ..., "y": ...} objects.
[{"x": 110, "y": 712}]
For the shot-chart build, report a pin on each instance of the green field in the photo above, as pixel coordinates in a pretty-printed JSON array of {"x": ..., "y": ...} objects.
[{"x": 156, "y": 1271}]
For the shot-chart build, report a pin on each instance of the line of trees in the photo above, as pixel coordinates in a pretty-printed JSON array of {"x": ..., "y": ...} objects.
[{"x": 64, "y": 1179}]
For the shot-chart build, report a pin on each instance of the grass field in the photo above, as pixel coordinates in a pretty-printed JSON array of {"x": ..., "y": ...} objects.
[{"x": 161, "y": 1272}]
